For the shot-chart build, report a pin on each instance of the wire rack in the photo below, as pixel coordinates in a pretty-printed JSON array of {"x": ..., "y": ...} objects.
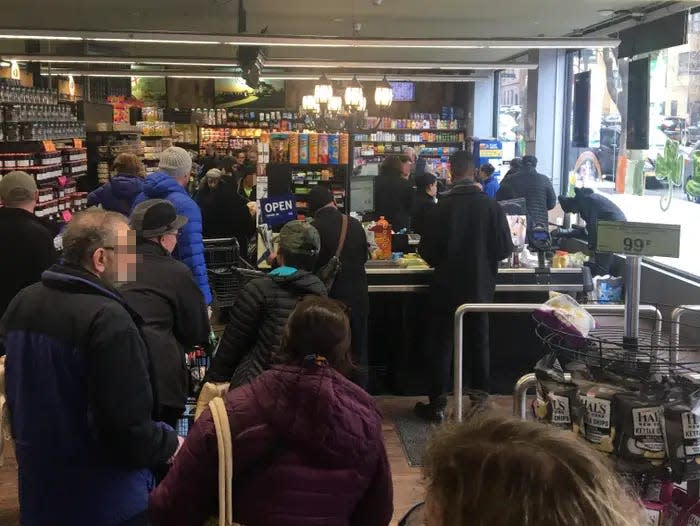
[{"x": 650, "y": 358}]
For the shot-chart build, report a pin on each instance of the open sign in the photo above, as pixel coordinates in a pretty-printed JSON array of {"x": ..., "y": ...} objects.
[{"x": 278, "y": 210}]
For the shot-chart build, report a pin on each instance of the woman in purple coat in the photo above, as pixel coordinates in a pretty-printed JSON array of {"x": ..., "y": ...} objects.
[{"x": 307, "y": 442}]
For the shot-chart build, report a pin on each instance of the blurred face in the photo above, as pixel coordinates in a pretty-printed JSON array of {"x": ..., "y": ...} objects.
[
  {"x": 117, "y": 262},
  {"x": 253, "y": 156},
  {"x": 249, "y": 180},
  {"x": 213, "y": 182},
  {"x": 406, "y": 168},
  {"x": 240, "y": 158},
  {"x": 432, "y": 189},
  {"x": 210, "y": 150}
]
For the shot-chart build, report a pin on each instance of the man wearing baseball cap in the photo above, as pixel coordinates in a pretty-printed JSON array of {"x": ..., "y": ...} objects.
[
  {"x": 166, "y": 296},
  {"x": 260, "y": 313},
  {"x": 170, "y": 183},
  {"x": 26, "y": 245}
]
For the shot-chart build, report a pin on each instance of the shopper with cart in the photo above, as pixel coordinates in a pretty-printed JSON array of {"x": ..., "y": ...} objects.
[
  {"x": 166, "y": 297},
  {"x": 252, "y": 336},
  {"x": 307, "y": 442},
  {"x": 170, "y": 183},
  {"x": 26, "y": 243},
  {"x": 467, "y": 234},
  {"x": 119, "y": 193},
  {"x": 343, "y": 238},
  {"x": 79, "y": 386}
]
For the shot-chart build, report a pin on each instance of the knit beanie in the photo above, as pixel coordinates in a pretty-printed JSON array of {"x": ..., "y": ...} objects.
[{"x": 175, "y": 161}]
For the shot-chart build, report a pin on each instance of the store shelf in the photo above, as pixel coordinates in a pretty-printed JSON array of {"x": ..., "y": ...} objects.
[
  {"x": 413, "y": 130},
  {"x": 439, "y": 143}
]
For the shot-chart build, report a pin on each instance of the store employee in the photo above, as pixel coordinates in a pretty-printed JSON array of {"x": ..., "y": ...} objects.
[{"x": 393, "y": 194}]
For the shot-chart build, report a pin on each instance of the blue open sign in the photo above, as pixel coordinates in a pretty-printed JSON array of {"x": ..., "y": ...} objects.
[{"x": 278, "y": 210}]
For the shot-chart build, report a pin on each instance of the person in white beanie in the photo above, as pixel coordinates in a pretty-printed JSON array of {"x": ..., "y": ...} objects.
[{"x": 170, "y": 183}]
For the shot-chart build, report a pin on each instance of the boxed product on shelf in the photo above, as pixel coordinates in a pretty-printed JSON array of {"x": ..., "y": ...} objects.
[
  {"x": 313, "y": 148},
  {"x": 304, "y": 148},
  {"x": 294, "y": 148},
  {"x": 323, "y": 148},
  {"x": 333, "y": 149}
]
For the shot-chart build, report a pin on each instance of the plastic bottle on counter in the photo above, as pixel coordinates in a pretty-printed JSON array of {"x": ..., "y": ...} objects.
[{"x": 382, "y": 237}]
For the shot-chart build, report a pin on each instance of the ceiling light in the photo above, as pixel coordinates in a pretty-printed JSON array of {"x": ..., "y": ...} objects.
[
  {"x": 323, "y": 90},
  {"x": 337, "y": 64},
  {"x": 308, "y": 103},
  {"x": 5, "y": 64},
  {"x": 305, "y": 41},
  {"x": 377, "y": 77},
  {"x": 606, "y": 12},
  {"x": 335, "y": 104},
  {"x": 354, "y": 93},
  {"x": 383, "y": 94}
]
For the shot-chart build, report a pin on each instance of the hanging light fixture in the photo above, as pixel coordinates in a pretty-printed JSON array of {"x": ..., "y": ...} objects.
[
  {"x": 363, "y": 104},
  {"x": 308, "y": 103},
  {"x": 323, "y": 90},
  {"x": 335, "y": 104},
  {"x": 383, "y": 94},
  {"x": 354, "y": 94}
]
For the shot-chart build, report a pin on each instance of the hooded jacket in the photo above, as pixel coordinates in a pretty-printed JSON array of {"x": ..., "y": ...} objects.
[
  {"x": 537, "y": 191},
  {"x": 308, "y": 450},
  {"x": 174, "y": 316},
  {"x": 467, "y": 234},
  {"x": 118, "y": 194},
  {"x": 258, "y": 317},
  {"x": 190, "y": 246},
  {"x": 81, "y": 396}
]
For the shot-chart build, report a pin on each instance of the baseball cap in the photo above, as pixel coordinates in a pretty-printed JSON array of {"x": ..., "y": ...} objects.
[
  {"x": 155, "y": 217},
  {"x": 300, "y": 237},
  {"x": 17, "y": 187}
]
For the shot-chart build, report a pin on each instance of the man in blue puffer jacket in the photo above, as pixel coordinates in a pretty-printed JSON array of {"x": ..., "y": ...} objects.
[{"x": 170, "y": 183}]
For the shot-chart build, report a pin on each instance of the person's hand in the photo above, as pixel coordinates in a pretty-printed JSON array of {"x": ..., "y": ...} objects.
[
  {"x": 481, "y": 187},
  {"x": 271, "y": 258},
  {"x": 252, "y": 207},
  {"x": 180, "y": 441}
]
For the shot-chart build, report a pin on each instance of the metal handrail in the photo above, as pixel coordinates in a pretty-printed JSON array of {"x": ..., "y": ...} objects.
[
  {"x": 523, "y": 307},
  {"x": 676, "y": 316}
]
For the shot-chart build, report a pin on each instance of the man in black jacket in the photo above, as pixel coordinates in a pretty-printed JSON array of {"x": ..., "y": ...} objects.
[
  {"x": 535, "y": 188},
  {"x": 26, "y": 245},
  {"x": 252, "y": 337},
  {"x": 393, "y": 194},
  {"x": 424, "y": 202},
  {"x": 166, "y": 296},
  {"x": 79, "y": 385},
  {"x": 466, "y": 236},
  {"x": 350, "y": 285}
]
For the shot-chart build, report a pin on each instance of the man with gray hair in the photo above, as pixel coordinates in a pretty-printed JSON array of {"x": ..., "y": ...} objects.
[
  {"x": 26, "y": 244},
  {"x": 170, "y": 183},
  {"x": 79, "y": 386}
]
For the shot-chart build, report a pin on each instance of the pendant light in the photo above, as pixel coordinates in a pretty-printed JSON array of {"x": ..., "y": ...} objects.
[
  {"x": 323, "y": 90},
  {"x": 383, "y": 94},
  {"x": 354, "y": 94}
]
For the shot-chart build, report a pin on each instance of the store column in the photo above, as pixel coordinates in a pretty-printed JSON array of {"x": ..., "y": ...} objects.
[
  {"x": 549, "y": 120},
  {"x": 483, "y": 107}
]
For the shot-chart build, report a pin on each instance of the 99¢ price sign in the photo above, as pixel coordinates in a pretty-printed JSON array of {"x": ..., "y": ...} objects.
[{"x": 639, "y": 239}]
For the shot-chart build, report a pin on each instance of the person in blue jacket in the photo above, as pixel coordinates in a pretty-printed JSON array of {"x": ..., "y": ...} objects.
[
  {"x": 170, "y": 183},
  {"x": 488, "y": 180},
  {"x": 119, "y": 193}
]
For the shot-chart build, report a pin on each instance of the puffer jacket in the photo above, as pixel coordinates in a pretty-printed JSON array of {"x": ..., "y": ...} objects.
[
  {"x": 81, "y": 396},
  {"x": 537, "y": 190},
  {"x": 118, "y": 194},
  {"x": 308, "y": 450},
  {"x": 258, "y": 317},
  {"x": 190, "y": 247}
]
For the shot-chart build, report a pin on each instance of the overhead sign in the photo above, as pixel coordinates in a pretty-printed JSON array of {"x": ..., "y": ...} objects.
[
  {"x": 639, "y": 239},
  {"x": 278, "y": 210}
]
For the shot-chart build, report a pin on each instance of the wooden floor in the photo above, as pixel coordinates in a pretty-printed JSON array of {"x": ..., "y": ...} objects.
[{"x": 408, "y": 487}]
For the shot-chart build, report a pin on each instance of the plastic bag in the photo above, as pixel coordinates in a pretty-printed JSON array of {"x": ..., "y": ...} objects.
[{"x": 562, "y": 313}]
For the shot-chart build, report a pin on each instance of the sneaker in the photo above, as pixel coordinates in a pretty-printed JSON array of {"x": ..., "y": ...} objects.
[{"x": 429, "y": 412}]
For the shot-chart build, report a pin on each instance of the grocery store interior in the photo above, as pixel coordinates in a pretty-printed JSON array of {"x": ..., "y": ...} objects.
[{"x": 604, "y": 94}]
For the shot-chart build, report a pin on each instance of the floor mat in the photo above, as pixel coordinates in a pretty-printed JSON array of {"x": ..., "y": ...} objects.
[{"x": 414, "y": 434}]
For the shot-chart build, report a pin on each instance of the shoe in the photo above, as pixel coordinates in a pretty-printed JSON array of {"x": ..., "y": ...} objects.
[{"x": 429, "y": 412}]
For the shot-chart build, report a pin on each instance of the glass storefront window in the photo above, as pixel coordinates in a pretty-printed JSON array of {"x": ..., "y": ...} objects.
[
  {"x": 643, "y": 183},
  {"x": 512, "y": 112}
]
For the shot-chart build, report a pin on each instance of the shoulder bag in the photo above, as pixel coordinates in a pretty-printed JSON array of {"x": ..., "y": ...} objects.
[
  {"x": 328, "y": 272},
  {"x": 225, "y": 449}
]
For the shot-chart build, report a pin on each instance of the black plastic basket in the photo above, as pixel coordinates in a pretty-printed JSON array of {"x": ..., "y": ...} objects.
[
  {"x": 221, "y": 253},
  {"x": 226, "y": 283}
]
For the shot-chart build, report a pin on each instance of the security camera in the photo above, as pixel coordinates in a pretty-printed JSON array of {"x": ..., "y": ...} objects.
[
  {"x": 357, "y": 27},
  {"x": 377, "y": 2}
]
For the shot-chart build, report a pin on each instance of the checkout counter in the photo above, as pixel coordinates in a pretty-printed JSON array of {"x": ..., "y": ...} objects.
[{"x": 400, "y": 316}]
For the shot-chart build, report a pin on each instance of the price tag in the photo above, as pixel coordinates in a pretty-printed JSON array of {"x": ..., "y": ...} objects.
[
  {"x": 639, "y": 239},
  {"x": 49, "y": 146}
]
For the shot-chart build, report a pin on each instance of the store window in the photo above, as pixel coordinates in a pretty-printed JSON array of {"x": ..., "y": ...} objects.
[
  {"x": 512, "y": 112},
  {"x": 641, "y": 182}
]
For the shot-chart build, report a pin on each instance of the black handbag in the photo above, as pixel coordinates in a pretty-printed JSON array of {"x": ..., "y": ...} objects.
[{"x": 328, "y": 272}]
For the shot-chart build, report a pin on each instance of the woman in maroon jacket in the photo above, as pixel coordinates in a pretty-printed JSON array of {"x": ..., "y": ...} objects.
[{"x": 307, "y": 442}]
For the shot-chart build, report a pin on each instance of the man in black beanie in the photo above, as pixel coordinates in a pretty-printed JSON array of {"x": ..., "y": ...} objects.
[{"x": 350, "y": 285}]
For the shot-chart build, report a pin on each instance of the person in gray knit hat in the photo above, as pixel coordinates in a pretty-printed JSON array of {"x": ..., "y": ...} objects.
[{"x": 170, "y": 183}]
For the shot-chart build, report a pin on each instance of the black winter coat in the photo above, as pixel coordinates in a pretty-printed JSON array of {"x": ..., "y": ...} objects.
[
  {"x": 26, "y": 250},
  {"x": 537, "y": 190},
  {"x": 174, "y": 317},
  {"x": 594, "y": 208},
  {"x": 393, "y": 199},
  {"x": 350, "y": 284},
  {"x": 258, "y": 318},
  {"x": 225, "y": 214},
  {"x": 466, "y": 236},
  {"x": 422, "y": 205}
]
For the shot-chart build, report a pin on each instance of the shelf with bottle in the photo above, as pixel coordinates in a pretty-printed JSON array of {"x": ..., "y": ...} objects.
[
  {"x": 47, "y": 165},
  {"x": 11, "y": 91},
  {"x": 446, "y": 137},
  {"x": 23, "y": 112},
  {"x": 418, "y": 122}
]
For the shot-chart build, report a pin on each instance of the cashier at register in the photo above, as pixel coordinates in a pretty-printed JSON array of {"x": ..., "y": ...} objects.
[{"x": 593, "y": 208}]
